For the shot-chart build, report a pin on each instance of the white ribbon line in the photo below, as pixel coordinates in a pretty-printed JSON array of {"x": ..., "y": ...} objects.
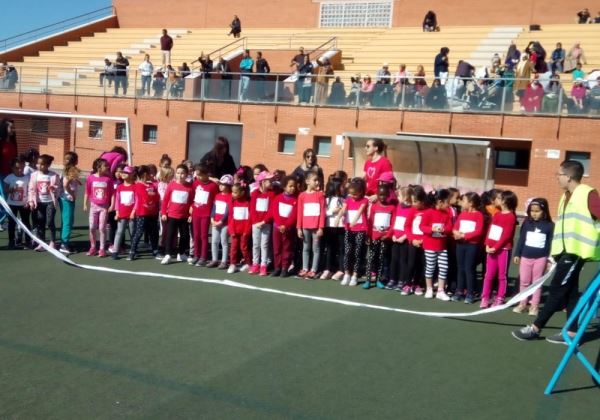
[{"x": 514, "y": 300}]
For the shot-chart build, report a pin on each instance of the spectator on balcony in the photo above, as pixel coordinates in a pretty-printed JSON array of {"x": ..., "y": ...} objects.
[
  {"x": 3, "y": 74},
  {"x": 366, "y": 90},
  {"x": 146, "y": 70},
  {"x": 495, "y": 63},
  {"x": 537, "y": 56},
  {"x": 532, "y": 98},
  {"x": 578, "y": 73},
  {"x": 159, "y": 84},
  {"x": 523, "y": 75},
  {"x": 421, "y": 88},
  {"x": 298, "y": 60},
  {"x": 306, "y": 80},
  {"x": 108, "y": 73},
  {"x": 184, "y": 70},
  {"x": 554, "y": 96},
  {"x": 324, "y": 73},
  {"x": 383, "y": 93},
  {"x": 436, "y": 96},
  {"x": 121, "y": 66},
  {"x": 225, "y": 71},
  {"x": 166, "y": 45},
  {"x": 11, "y": 78},
  {"x": 338, "y": 93},
  {"x": 430, "y": 23},
  {"x": 262, "y": 69},
  {"x": 206, "y": 67},
  {"x": 235, "y": 27},
  {"x": 597, "y": 18},
  {"x": 583, "y": 16},
  {"x": 512, "y": 56},
  {"x": 246, "y": 66},
  {"x": 576, "y": 55},
  {"x": 557, "y": 59},
  {"x": 594, "y": 97},
  {"x": 355, "y": 85},
  {"x": 578, "y": 95},
  {"x": 441, "y": 65}
]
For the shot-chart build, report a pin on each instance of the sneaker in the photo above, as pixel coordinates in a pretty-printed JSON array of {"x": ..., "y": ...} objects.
[
  {"x": 497, "y": 302},
  {"x": 166, "y": 260},
  {"x": 101, "y": 253},
  {"x": 457, "y": 297},
  {"x": 285, "y": 273},
  {"x": 231, "y": 269},
  {"x": 418, "y": 291},
  {"x": 345, "y": 280},
  {"x": 64, "y": 249},
  {"x": 558, "y": 339},
  {"x": 276, "y": 272},
  {"x": 52, "y": 245},
  {"x": 469, "y": 300},
  {"x": 212, "y": 264},
  {"x": 244, "y": 268},
  {"x": 192, "y": 260},
  {"x": 131, "y": 257},
  {"x": 90, "y": 253},
  {"x": 326, "y": 274},
  {"x": 534, "y": 310},
  {"x": 111, "y": 250},
  {"x": 311, "y": 275},
  {"x": 406, "y": 290},
  {"x": 201, "y": 262},
  {"x": 380, "y": 285},
  {"x": 157, "y": 255},
  {"x": 263, "y": 270},
  {"x": 115, "y": 256},
  {"x": 338, "y": 276},
  {"x": 182, "y": 258},
  {"x": 485, "y": 303},
  {"x": 254, "y": 269},
  {"x": 519, "y": 309},
  {"x": 390, "y": 285},
  {"x": 428, "y": 294},
  {"x": 302, "y": 273},
  {"x": 367, "y": 285},
  {"x": 526, "y": 333},
  {"x": 353, "y": 281},
  {"x": 441, "y": 295},
  {"x": 223, "y": 266}
]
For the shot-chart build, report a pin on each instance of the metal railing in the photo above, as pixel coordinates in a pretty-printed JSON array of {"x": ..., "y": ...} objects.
[
  {"x": 44, "y": 31},
  {"x": 224, "y": 50},
  {"x": 406, "y": 92}
]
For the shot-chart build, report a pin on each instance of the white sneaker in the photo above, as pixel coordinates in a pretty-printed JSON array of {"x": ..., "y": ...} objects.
[
  {"x": 345, "y": 280},
  {"x": 441, "y": 295},
  {"x": 429, "y": 294},
  {"x": 353, "y": 281},
  {"x": 244, "y": 268},
  {"x": 231, "y": 269},
  {"x": 166, "y": 260},
  {"x": 182, "y": 258}
]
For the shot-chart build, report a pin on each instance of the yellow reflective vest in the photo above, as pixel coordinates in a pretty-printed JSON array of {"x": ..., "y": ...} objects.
[{"x": 576, "y": 231}]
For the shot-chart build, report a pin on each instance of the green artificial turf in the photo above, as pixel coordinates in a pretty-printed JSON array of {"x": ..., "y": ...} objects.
[{"x": 79, "y": 344}]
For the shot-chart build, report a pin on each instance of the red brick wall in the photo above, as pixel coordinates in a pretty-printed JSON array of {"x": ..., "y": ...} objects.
[{"x": 262, "y": 125}]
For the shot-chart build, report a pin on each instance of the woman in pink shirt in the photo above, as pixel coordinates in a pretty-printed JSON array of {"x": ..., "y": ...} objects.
[
  {"x": 99, "y": 193},
  {"x": 375, "y": 165},
  {"x": 355, "y": 237}
]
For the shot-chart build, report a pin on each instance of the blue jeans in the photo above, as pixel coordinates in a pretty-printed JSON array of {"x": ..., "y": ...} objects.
[
  {"x": 244, "y": 83},
  {"x": 146, "y": 84}
]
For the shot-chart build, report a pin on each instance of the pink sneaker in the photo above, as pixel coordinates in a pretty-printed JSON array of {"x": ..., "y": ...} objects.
[
  {"x": 40, "y": 248},
  {"x": 263, "y": 270},
  {"x": 302, "y": 273},
  {"x": 406, "y": 290},
  {"x": 92, "y": 251},
  {"x": 101, "y": 253},
  {"x": 497, "y": 302},
  {"x": 253, "y": 269},
  {"x": 338, "y": 276},
  {"x": 419, "y": 291},
  {"x": 485, "y": 303}
]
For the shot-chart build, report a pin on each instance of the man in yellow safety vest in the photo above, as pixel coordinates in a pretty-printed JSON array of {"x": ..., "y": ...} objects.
[{"x": 576, "y": 240}]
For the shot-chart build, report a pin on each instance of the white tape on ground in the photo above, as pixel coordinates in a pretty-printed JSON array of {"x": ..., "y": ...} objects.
[{"x": 514, "y": 300}]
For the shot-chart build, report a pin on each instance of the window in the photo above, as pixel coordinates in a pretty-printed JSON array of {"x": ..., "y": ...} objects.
[
  {"x": 512, "y": 158},
  {"x": 356, "y": 14},
  {"x": 322, "y": 145},
  {"x": 95, "y": 130},
  {"x": 120, "y": 131},
  {"x": 287, "y": 143},
  {"x": 583, "y": 158},
  {"x": 150, "y": 133},
  {"x": 39, "y": 125}
]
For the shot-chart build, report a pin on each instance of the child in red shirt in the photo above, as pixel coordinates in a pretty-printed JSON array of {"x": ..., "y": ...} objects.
[
  {"x": 498, "y": 243},
  {"x": 380, "y": 233},
  {"x": 436, "y": 225},
  {"x": 219, "y": 217},
  {"x": 311, "y": 220},
  {"x": 260, "y": 200},
  {"x": 145, "y": 212},
  {"x": 124, "y": 202},
  {"x": 416, "y": 256},
  {"x": 239, "y": 228},
  {"x": 400, "y": 243},
  {"x": 283, "y": 214},
  {"x": 176, "y": 211},
  {"x": 355, "y": 237},
  {"x": 205, "y": 191}
]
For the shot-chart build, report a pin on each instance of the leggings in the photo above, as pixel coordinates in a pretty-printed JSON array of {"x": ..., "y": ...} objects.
[
  {"x": 399, "y": 262},
  {"x": 24, "y": 213},
  {"x": 497, "y": 265},
  {"x": 67, "y": 217},
  {"x": 416, "y": 265},
  {"x": 200, "y": 229},
  {"x": 283, "y": 248},
  {"x": 261, "y": 243},
  {"x": 377, "y": 253},
  {"x": 44, "y": 214},
  {"x": 173, "y": 227},
  {"x": 531, "y": 269},
  {"x": 122, "y": 225},
  {"x": 220, "y": 236},
  {"x": 239, "y": 242},
  {"x": 437, "y": 259},
  {"x": 467, "y": 256},
  {"x": 311, "y": 243},
  {"x": 98, "y": 221},
  {"x": 333, "y": 242},
  {"x": 148, "y": 225},
  {"x": 354, "y": 243}
]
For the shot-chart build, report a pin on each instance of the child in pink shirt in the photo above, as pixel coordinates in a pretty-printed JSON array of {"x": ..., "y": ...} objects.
[
  {"x": 99, "y": 193},
  {"x": 355, "y": 237},
  {"x": 311, "y": 220},
  {"x": 44, "y": 189}
]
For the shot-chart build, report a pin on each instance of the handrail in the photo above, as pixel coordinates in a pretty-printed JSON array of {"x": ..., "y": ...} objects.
[
  {"x": 44, "y": 30},
  {"x": 329, "y": 41},
  {"x": 212, "y": 53}
]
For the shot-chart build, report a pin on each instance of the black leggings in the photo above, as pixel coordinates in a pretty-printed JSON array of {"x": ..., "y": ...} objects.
[
  {"x": 354, "y": 243},
  {"x": 24, "y": 213},
  {"x": 145, "y": 224},
  {"x": 377, "y": 254},
  {"x": 416, "y": 265},
  {"x": 181, "y": 226},
  {"x": 333, "y": 243},
  {"x": 467, "y": 256},
  {"x": 399, "y": 262},
  {"x": 44, "y": 214}
]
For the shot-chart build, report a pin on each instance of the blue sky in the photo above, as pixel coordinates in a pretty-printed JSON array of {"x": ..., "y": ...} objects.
[{"x": 20, "y": 16}]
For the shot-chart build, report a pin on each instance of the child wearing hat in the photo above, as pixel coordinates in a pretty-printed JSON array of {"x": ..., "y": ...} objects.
[{"x": 219, "y": 218}]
